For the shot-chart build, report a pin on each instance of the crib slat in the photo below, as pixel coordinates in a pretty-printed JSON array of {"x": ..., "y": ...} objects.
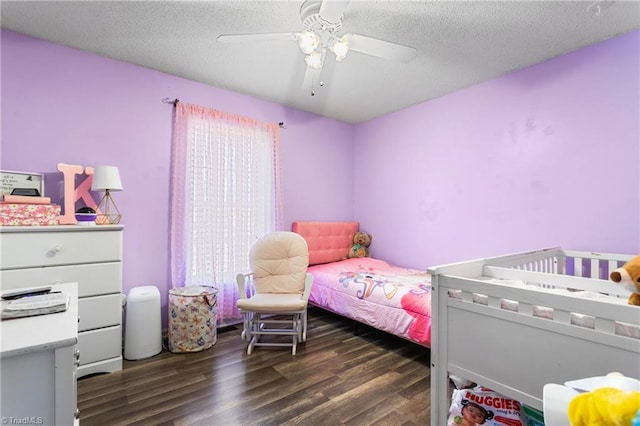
[
  {"x": 577, "y": 267},
  {"x": 613, "y": 265},
  {"x": 605, "y": 325},
  {"x": 525, "y": 308},
  {"x": 562, "y": 316},
  {"x": 562, "y": 265},
  {"x": 494, "y": 302},
  {"x": 595, "y": 268}
]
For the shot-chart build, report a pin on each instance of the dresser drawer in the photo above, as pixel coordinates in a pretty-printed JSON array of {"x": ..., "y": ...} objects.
[
  {"x": 93, "y": 279},
  {"x": 28, "y": 249},
  {"x": 97, "y": 345},
  {"x": 99, "y": 311}
]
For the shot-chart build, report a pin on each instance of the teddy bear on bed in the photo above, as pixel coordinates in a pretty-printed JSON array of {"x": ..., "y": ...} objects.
[
  {"x": 361, "y": 243},
  {"x": 629, "y": 277}
]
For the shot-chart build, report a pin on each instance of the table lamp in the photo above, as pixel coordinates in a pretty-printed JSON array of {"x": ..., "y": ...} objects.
[{"x": 107, "y": 179}]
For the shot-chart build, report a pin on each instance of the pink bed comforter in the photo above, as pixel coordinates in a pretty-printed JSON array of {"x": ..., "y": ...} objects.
[{"x": 371, "y": 291}]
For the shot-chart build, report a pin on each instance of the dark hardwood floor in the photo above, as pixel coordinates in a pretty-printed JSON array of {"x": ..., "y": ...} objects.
[{"x": 336, "y": 378}]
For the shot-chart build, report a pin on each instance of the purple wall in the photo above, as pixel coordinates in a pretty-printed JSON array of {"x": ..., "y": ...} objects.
[
  {"x": 61, "y": 105},
  {"x": 541, "y": 157},
  {"x": 545, "y": 156}
]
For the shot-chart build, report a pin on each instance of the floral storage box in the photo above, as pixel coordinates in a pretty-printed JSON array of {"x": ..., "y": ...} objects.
[{"x": 29, "y": 214}]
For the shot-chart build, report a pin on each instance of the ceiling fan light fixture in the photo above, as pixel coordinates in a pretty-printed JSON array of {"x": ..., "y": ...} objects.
[
  {"x": 314, "y": 60},
  {"x": 308, "y": 41},
  {"x": 322, "y": 32},
  {"x": 340, "y": 47}
]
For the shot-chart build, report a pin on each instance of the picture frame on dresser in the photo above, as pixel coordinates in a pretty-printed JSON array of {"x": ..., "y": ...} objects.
[
  {"x": 10, "y": 180},
  {"x": 91, "y": 256}
]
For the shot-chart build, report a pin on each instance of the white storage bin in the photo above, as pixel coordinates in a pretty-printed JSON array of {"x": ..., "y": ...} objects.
[{"x": 143, "y": 326}]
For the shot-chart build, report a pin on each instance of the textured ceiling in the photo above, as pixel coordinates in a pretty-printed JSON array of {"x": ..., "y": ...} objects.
[{"x": 459, "y": 43}]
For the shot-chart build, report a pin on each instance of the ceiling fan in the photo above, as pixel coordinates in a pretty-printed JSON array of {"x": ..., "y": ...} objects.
[{"x": 322, "y": 32}]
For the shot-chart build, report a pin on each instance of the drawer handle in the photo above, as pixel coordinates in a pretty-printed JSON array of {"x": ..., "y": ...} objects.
[
  {"x": 57, "y": 249},
  {"x": 76, "y": 355},
  {"x": 77, "y": 414}
]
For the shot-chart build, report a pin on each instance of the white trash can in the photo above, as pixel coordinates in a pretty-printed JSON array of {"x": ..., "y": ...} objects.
[{"x": 143, "y": 323}]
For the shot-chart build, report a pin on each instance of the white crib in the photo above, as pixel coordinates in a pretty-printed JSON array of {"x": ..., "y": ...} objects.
[{"x": 490, "y": 331}]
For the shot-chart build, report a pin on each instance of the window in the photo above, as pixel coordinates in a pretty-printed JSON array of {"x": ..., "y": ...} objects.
[{"x": 225, "y": 195}]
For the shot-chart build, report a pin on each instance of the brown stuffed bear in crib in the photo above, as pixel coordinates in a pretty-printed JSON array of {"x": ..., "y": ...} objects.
[
  {"x": 361, "y": 243},
  {"x": 629, "y": 277}
]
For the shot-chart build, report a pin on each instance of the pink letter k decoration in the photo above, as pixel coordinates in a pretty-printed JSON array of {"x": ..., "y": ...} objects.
[{"x": 72, "y": 194}]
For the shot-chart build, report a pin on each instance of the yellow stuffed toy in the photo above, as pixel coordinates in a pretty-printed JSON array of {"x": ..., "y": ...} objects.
[
  {"x": 604, "y": 407},
  {"x": 629, "y": 277}
]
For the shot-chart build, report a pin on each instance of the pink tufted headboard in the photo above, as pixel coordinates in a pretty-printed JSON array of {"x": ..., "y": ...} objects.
[{"x": 327, "y": 241}]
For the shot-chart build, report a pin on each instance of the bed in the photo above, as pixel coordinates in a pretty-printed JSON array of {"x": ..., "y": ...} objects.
[
  {"x": 370, "y": 291},
  {"x": 515, "y": 323}
]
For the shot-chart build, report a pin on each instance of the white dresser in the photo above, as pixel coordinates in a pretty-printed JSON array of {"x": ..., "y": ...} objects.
[
  {"x": 89, "y": 255},
  {"x": 38, "y": 359}
]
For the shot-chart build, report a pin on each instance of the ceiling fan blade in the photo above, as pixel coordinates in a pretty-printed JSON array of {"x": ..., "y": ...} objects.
[
  {"x": 241, "y": 38},
  {"x": 381, "y": 49},
  {"x": 332, "y": 10}
]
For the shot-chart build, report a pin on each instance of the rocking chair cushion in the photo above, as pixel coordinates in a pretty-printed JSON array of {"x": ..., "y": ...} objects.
[
  {"x": 279, "y": 263},
  {"x": 273, "y": 303}
]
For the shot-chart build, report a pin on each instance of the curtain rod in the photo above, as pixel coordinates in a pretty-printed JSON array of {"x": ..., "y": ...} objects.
[
  {"x": 170, "y": 101},
  {"x": 175, "y": 101}
]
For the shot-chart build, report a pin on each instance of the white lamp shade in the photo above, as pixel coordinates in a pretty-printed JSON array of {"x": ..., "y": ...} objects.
[
  {"x": 314, "y": 60},
  {"x": 106, "y": 177},
  {"x": 308, "y": 41},
  {"x": 340, "y": 47}
]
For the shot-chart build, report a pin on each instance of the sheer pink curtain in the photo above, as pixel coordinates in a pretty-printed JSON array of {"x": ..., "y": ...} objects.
[{"x": 225, "y": 193}]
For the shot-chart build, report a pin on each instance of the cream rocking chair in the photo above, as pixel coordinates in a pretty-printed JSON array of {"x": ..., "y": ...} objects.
[{"x": 280, "y": 293}]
